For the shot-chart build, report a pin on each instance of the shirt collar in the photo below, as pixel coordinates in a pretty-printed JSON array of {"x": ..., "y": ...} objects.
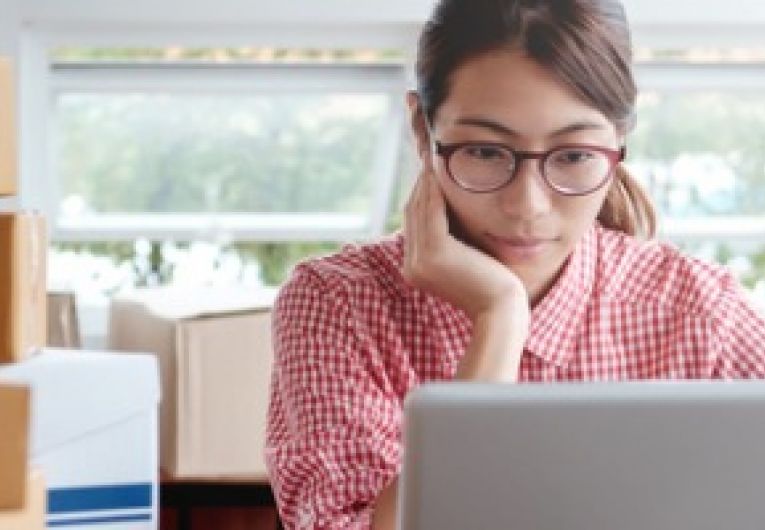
[{"x": 557, "y": 319}]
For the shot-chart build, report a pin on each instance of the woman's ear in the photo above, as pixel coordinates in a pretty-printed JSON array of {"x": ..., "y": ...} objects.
[{"x": 419, "y": 125}]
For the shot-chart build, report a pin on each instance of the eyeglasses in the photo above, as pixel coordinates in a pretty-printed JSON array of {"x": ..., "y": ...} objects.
[{"x": 572, "y": 169}]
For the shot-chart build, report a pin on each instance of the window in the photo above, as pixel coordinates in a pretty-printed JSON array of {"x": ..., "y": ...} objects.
[
  {"x": 301, "y": 145},
  {"x": 240, "y": 161}
]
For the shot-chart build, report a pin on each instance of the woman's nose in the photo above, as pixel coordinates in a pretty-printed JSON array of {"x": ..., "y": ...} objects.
[{"x": 527, "y": 195}]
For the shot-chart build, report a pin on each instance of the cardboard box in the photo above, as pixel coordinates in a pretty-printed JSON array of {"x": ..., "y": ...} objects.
[
  {"x": 8, "y": 136},
  {"x": 31, "y": 516},
  {"x": 14, "y": 418},
  {"x": 63, "y": 324},
  {"x": 94, "y": 436},
  {"x": 23, "y": 252},
  {"x": 214, "y": 352}
]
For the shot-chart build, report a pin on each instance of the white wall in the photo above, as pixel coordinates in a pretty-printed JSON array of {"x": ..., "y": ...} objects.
[
  {"x": 697, "y": 22},
  {"x": 9, "y": 24},
  {"x": 352, "y": 22},
  {"x": 695, "y": 12},
  {"x": 227, "y": 11},
  {"x": 642, "y": 12}
]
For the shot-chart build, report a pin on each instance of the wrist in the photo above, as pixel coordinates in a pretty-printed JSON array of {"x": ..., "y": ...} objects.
[
  {"x": 513, "y": 307},
  {"x": 507, "y": 323},
  {"x": 496, "y": 347}
]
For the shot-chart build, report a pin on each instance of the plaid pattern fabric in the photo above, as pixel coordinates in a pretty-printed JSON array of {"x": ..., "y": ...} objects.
[{"x": 351, "y": 339}]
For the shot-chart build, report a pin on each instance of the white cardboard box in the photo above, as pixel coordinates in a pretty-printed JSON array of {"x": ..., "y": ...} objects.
[{"x": 94, "y": 436}]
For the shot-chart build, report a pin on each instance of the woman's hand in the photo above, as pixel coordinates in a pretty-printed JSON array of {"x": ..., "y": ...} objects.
[
  {"x": 438, "y": 262},
  {"x": 493, "y": 297}
]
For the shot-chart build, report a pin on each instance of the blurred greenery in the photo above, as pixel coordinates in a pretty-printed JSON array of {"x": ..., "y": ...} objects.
[
  {"x": 175, "y": 153},
  {"x": 119, "y": 250},
  {"x": 277, "y": 259},
  {"x": 757, "y": 273}
]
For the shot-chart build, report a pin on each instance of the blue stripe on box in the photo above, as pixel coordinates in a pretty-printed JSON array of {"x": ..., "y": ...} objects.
[
  {"x": 101, "y": 520},
  {"x": 119, "y": 497}
]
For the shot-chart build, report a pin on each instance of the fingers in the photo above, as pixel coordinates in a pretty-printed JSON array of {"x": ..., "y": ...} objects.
[
  {"x": 426, "y": 226},
  {"x": 426, "y": 156},
  {"x": 434, "y": 206},
  {"x": 417, "y": 224},
  {"x": 410, "y": 223}
]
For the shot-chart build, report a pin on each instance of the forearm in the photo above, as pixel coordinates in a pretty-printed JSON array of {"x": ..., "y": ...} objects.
[
  {"x": 495, "y": 349},
  {"x": 385, "y": 513}
]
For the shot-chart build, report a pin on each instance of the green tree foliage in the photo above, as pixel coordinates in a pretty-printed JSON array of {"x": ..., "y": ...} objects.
[{"x": 167, "y": 153}]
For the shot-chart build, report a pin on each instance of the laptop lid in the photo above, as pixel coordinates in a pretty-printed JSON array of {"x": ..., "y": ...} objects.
[{"x": 584, "y": 456}]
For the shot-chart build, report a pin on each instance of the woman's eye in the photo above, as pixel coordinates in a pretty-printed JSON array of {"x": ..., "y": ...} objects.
[
  {"x": 573, "y": 156},
  {"x": 486, "y": 152}
]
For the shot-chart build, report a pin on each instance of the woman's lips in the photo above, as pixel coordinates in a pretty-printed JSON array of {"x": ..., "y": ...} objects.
[{"x": 520, "y": 247}]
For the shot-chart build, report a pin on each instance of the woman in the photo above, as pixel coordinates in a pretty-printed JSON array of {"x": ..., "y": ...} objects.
[{"x": 521, "y": 259}]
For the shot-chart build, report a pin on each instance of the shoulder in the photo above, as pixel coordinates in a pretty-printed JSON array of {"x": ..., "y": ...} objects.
[
  {"x": 369, "y": 270},
  {"x": 652, "y": 272}
]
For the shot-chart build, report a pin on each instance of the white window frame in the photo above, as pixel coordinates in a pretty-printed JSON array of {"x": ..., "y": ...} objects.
[{"x": 43, "y": 81}]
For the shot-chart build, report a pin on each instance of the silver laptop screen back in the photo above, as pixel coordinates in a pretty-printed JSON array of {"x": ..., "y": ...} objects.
[{"x": 608, "y": 456}]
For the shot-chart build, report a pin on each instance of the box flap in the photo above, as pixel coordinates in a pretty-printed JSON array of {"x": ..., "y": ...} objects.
[
  {"x": 174, "y": 303},
  {"x": 76, "y": 392}
]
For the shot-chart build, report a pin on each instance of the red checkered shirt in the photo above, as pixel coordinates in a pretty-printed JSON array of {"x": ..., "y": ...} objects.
[{"x": 352, "y": 338}]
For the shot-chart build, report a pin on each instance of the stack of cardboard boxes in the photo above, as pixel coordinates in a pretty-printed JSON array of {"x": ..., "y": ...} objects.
[
  {"x": 84, "y": 422},
  {"x": 23, "y": 249},
  {"x": 22, "y": 328}
]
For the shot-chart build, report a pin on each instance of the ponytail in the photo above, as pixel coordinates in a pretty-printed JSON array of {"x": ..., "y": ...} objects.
[{"x": 627, "y": 207}]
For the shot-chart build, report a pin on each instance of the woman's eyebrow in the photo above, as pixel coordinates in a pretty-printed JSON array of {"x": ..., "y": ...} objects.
[{"x": 584, "y": 125}]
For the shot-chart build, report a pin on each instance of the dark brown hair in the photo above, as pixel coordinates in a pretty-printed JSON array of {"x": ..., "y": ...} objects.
[{"x": 585, "y": 43}]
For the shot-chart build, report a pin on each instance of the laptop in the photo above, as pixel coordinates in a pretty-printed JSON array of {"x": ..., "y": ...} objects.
[{"x": 584, "y": 456}]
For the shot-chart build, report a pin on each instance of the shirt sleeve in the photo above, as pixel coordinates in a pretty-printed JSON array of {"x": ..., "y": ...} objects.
[
  {"x": 333, "y": 435},
  {"x": 741, "y": 335}
]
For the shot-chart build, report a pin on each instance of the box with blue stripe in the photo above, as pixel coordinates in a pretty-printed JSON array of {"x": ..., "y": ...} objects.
[{"x": 94, "y": 436}]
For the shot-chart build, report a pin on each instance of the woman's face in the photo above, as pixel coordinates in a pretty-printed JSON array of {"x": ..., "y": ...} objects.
[{"x": 505, "y": 97}]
